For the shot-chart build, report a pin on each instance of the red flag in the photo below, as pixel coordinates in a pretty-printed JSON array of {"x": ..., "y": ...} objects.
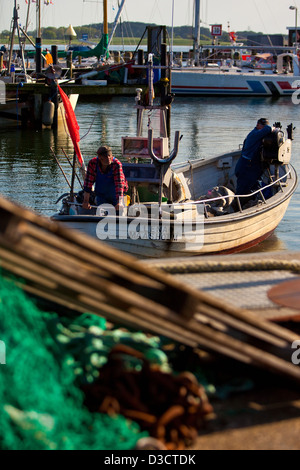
[
  {"x": 232, "y": 36},
  {"x": 72, "y": 124}
]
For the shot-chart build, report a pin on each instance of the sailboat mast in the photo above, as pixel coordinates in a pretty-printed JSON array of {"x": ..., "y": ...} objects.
[
  {"x": 27, "y": 17},
  {"x": 105, "y": 22},
  {"x": 105, "y": 28},
  {"x": 116, "y": 22},
  {"x": 197, "y": 32},
  {"x": 38, "y": 18}
]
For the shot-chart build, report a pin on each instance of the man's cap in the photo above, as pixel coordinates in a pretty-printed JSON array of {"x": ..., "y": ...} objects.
[
  {"x": 104, "y": 150},
  {"x": 263, "y": 121}
]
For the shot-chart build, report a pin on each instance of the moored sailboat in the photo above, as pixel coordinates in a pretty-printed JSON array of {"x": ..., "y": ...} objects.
[{"x": 214, "y": 78}]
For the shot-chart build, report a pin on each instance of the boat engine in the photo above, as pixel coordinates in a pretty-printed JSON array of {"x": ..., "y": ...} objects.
[{"x": 276, "y": 149}]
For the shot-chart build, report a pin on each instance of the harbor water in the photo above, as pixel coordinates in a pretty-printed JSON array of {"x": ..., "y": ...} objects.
[{"x": 29, "y": 174}]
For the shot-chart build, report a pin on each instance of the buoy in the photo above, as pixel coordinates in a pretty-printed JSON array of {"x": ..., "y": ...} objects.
[{"x": 48, "y": 113}]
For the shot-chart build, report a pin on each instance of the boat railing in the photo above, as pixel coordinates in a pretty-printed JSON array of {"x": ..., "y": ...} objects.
[
  {"x": 260, "y": 191},
  {"x": 205, "y": 202}
]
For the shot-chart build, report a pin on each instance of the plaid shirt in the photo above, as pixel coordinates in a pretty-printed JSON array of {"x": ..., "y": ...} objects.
[{"x": 121, "y": 184}]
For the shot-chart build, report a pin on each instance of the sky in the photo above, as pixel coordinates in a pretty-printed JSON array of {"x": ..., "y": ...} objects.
[{"x": 267, "y": 16}]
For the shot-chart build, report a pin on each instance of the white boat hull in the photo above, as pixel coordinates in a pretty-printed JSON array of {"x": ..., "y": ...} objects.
[
  {"x": 197, "y": 82},
  {"x": 219, "y": 236}
]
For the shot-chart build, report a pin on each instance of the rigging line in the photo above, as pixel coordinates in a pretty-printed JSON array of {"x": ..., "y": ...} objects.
[
  {"x": 129, "y": 32},
  {"x": 274, "y": 18},
  {"x": 137, "y": 47},
  {"x": 121, "y": 29},
  {"x": 269, "y": 39},
  {"x": 127, "y": 24},
  {"x": 188, "y": 13},
  {"x": 89, "y": 130},
  {"x": 156, "y": 7},
  {"x": 65, "y": 127},
  {"x": 253, "y": 43}
]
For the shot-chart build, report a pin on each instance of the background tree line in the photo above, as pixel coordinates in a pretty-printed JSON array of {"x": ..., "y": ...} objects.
[{"x": 128, "y": 30}]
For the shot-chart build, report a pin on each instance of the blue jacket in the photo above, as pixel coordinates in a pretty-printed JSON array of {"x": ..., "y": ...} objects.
[{"x": 253, "y": 142}]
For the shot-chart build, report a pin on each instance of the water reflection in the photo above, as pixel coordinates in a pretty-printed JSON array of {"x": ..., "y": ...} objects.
[{"x": 274, "y": 243}]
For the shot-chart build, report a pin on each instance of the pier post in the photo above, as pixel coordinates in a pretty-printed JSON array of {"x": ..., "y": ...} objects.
[
  {"x": 54, "y": 53},
  {"x": 70, "y": 64},
  {"x": 140, "y": 57},
  {"x": 37, "y": 110},
  {"x": 38, "y": 55}
]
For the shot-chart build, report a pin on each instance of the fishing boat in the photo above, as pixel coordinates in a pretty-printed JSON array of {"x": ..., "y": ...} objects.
[{"x": 189, "y": 208}]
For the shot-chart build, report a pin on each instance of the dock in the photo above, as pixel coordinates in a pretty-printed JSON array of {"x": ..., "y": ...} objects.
[
  {"x": 244, "y": 280},
  {"x": 91, "y": 91},
  {"x": 253, "y": 412},
  {"x": 25, "y": 103}
]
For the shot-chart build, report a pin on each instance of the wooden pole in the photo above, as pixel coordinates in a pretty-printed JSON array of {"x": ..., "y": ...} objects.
[
  {"x": 72, "y": 165},
  {"x": 73, "y": 177},
  {"x": 38, "y": 19},
  {"x": 70, "y": 64},
  {"x": 105, "y": 21},
  {"x": 55, "y": 158},
  {"x": 38, "y": 55}
]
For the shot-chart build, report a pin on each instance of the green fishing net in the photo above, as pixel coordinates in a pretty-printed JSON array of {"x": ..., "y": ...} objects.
[{"x": 41, "y": 404}]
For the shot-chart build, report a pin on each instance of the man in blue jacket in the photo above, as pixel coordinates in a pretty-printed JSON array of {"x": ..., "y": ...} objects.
[{"x": 249, "y": 168}]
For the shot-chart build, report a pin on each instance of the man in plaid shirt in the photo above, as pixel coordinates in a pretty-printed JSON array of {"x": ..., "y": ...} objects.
[{"x": 106, "y": 172}]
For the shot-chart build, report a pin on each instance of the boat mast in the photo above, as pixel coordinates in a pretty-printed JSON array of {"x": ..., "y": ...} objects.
[
  {"x": 115, "y": 23},
  {"x": 197, "y": 33},
  {"x": 105, "y": 21},
  {"x": 172, "y": 39},
  {"x": 38, "y": 18},
  {"x": 105, "y": 27},
  {"x": 27, "y": 17},
  {"x": 38, "y": 39}
]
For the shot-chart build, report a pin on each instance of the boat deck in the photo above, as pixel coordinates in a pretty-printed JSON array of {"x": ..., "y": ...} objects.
[{"x": 242, "y": 287}]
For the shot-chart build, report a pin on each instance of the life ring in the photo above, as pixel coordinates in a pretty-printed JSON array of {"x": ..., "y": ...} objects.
[{"x": 178, "y": 191}]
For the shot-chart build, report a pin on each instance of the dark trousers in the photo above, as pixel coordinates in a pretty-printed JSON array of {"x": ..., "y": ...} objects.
[{"x": 248, "y": 174}]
